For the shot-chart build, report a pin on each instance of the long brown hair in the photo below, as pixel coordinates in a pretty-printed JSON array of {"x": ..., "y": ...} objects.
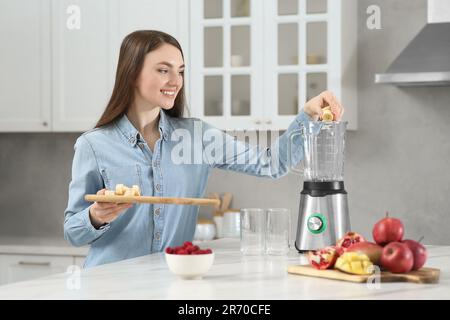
[{"x": 131, "y": 59}]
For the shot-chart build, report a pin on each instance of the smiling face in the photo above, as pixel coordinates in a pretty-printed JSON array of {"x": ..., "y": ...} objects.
[{"x": 161, "y": 77}]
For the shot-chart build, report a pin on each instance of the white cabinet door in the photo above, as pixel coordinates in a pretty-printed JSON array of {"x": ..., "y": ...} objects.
[
  {"x": 291, "y": 50},
  {"x": 85, "y": 59},
  {"x": 170, "y": 16},
  {"x": 15, "y": 268},
  {"x": 227, "y": 64},
  {"x": 82, "y": 34},
  {"x": 305, "y": 58},
  {"x": 25, "y": 65}
]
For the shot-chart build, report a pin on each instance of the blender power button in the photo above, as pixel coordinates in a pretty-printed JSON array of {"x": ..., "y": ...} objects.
[{"x": 315, "y": 223}]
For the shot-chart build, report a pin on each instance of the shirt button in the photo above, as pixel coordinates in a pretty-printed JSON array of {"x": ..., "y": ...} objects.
[
  {"x": 157, "y": 235},
  {"x": 157, "y": 211},
  {"x": 158, "y": 187}
]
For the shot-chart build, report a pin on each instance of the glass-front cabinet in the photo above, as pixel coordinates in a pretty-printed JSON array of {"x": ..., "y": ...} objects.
[{"x": 254, "y": 63}]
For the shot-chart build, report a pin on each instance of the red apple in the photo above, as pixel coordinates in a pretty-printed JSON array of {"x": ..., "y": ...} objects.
[
  {"x": 419, "y": 253},
  {"x": 388, "y": 230},
  {"x": 397, "y": 257},
  {"x": 372, "y": 250}
]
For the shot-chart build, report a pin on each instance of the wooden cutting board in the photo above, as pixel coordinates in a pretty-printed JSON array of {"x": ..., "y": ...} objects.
[
  {"x": 423, "y": 275},
  {"x": 149, "y": 199}
]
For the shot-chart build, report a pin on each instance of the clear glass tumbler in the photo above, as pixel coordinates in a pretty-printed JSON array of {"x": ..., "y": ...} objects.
[
  {"x": 253, "y": 224},
  {"x": 277, "y": 231}
]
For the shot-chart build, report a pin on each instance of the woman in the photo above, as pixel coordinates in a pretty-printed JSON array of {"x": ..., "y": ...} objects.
[{"x": 134, "y": 143}]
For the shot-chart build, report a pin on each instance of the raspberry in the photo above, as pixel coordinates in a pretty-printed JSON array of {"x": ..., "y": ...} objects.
[
  {"x": 190, "y": 249},
  {"x": 187, "y": 244},
  {"x": 169, "y": 250}
]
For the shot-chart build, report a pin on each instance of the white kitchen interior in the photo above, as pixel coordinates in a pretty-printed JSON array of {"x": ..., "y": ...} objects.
[{"x": 250, "y": 67}]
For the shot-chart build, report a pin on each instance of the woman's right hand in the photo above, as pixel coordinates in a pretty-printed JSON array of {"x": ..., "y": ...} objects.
[
  {"x": 326, "y": 98},
  {"x": 105, "y": 212}
]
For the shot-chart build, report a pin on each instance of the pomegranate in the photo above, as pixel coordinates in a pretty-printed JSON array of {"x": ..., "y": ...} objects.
[
  {"x": 349, "y": 239},
  {"x": 324, "y": 258},
  {"x": 388, "y": 230}
]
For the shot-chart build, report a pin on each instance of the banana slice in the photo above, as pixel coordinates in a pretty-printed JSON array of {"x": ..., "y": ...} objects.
[
  {"x": 120, "y": 189},
  {"x": 123, "y": 190},
  {"x": 327, "y": 116},
  {"x": 136, "y": 190}
]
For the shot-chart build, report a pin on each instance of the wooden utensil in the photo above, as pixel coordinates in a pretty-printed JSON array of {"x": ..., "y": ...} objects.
[
  {"x": 423, "y": 275},
  {"x": 216, "y": 196},
  {"x": 148, "y": 199},
  {"x": 226, "y": 200}
]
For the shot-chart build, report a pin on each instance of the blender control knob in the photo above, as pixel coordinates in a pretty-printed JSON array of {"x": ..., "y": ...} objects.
[{"x": 315, "y": 223}]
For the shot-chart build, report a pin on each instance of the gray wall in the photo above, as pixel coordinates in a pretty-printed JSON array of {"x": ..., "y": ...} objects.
[
  {"x": 34, "y": 176},
  {"x": 396, "y": 161}
]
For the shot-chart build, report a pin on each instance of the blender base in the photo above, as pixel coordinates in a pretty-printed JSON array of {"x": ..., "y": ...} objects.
[
  {"x": 323, "y": 219},
  {"x": 302, "y": 251}
]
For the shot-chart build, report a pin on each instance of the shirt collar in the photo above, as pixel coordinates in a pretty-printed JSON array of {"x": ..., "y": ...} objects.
[{"x": 132, "y": 134}]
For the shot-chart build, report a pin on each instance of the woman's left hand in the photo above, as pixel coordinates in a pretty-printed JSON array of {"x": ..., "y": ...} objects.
[{"x": 314, "y": 106}]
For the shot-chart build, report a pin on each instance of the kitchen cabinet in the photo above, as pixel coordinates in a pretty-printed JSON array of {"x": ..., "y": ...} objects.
[
  {"x": 254, "y": 64},
  {"x": 59, "y": 76},
  {"x": 82, "y": 64},
  {"x": 25, "y": 60},
  {"x": 21, "y": 267},
  {"x": 85, "y": 60}
]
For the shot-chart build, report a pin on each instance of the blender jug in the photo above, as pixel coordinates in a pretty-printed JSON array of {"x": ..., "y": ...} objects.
[
  {"x": 323, "y": 210},
  {"x": 323, "y": 151}
]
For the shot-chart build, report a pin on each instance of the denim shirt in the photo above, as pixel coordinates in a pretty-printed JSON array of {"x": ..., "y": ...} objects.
[{"x": 117, "y": 154}]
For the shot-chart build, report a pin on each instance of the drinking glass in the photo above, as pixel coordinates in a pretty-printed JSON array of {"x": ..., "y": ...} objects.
[
  {"x": 277, "y": 231},
  {"x": 253, "y": 223}
]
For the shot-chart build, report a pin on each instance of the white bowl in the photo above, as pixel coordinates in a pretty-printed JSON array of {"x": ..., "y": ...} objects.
[{"x": 190, "y": 266}]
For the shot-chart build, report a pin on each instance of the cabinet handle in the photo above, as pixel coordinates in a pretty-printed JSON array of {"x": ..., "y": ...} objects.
[
  {"x": 45, "y": 123},
  {"x": 269, "y": 122},
  {"x": 257, "y": 121},
  {"x": 28, "y": 263}
]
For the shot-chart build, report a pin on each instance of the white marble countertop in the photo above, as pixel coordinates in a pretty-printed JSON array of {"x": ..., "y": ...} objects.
[
  {"x": 232, "y": 277},
  {"x": 40, "y": 246}
]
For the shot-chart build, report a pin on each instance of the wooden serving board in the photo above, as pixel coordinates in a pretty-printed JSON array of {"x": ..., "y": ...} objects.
[
  {"x": 423, "y": 275},
  {"x": 148, "y": 199}
]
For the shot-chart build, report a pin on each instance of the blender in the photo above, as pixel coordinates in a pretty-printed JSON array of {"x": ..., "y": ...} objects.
[{"x": 323, "y": 212}]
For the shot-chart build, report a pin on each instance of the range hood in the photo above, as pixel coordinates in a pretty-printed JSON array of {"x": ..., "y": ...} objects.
[{"x": 426, "y": 59}]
